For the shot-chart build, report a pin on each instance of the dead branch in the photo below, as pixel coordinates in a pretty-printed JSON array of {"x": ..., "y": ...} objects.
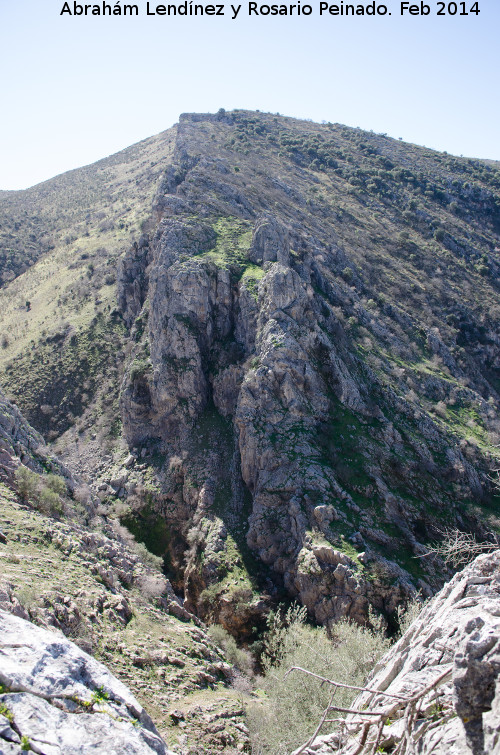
[{"x": 409, "y": 708}]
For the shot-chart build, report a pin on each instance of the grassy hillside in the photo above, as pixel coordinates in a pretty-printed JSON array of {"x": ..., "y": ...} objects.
[{"x": 56, "y": 328}]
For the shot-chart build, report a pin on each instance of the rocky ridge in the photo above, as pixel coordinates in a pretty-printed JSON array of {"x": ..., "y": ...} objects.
[
  {"x": 242, "y": 343},
  {"x": 21, "y": 444}
]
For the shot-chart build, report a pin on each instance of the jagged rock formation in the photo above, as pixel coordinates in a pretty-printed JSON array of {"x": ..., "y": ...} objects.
[
  {"x": 20, "y": 443},
  {"x": 306, "y": 336},
  {"x": 57, "y": 699},
  {"x": 453, "y": 650},
  {"x": 246, "y": 311}
]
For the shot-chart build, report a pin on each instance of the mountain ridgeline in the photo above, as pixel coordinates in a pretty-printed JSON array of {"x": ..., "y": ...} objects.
[{"x": 272, "y": 349}]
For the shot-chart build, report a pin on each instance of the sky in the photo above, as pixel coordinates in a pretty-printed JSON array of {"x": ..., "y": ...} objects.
[{"x": 75, "y": 89}]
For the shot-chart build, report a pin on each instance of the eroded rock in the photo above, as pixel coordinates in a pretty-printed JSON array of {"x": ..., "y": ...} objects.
[
  {"x": 453, "y": 650},
  {"x": 64, "y": 701}
]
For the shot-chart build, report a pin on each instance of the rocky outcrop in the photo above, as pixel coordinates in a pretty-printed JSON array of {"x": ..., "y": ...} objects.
[
  {"x": 438, "y": 689},
  {"x": 270, "y": 242},
  {"x": 132, "y": 280},
  {"x": 21, "y": 444},
  {"x": 264, "y": 328},
  {"x": 57, "y": 699}
]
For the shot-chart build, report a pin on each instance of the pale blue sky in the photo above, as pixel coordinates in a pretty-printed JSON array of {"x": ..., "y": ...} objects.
[{"x": 78, "y": 89}]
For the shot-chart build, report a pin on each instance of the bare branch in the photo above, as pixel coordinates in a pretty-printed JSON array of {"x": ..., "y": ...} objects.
[
  {"x": 459, "y": 548},
  {"x": 344, "y": 686}
]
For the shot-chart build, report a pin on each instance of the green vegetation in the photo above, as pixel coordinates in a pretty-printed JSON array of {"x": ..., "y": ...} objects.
[
  {"x": 251, "y": 277},
  {"x": 45, "y": 492},
  {"x": 139, "y": 368},
  {"x": 237, "y": 657},
  {"x": 4, "y": 711},
  {"x": 99, "y": 696},
  {"x": 54, "y": 381},
  {"x": 233, "y": 240},
  {"x": 293, "y": 702},
  {"x": 150, "y": 529}
]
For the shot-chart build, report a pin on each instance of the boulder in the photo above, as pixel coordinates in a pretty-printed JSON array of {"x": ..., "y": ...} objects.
[{"x": 64, "y": 701}]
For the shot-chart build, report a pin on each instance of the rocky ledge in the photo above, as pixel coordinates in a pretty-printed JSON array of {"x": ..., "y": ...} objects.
[{"x": 57, "y": 699}]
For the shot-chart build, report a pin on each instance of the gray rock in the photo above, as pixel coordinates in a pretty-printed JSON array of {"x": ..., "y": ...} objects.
[
  {"x": 270, "y": 242},
  {"x": 65, "y": 701}
]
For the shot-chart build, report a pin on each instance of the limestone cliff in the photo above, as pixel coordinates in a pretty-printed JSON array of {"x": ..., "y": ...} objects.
[
  {"x": 265, "y": 370},
  {"x": 294, "y": 329}
]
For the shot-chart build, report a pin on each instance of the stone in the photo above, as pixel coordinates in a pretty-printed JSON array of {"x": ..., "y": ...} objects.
[{"x": 65, "y": 701}]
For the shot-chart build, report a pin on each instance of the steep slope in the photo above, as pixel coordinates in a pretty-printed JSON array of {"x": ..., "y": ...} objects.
[
  {"x": 310, "y": 328},
  {"x": 64, "y": 568},
  {"x": 59, "y": 242}
]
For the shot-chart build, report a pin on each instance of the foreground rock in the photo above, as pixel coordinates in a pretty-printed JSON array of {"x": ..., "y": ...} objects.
[
  {"x": 452, "y": 650},
  {"x": 61, "y": 700}
]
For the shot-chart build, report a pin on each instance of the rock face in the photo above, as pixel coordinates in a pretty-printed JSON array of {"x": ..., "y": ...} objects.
[
  {"x": 279, "y": 434},
  {"x": 452, "y": 650},
  {"x": 310, "y": 351},
  {"x": 20, "y": 443},
  {"x": 61, "y": 700}
]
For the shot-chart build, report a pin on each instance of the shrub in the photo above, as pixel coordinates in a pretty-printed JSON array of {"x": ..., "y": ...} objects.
[
  {"x": 152, "y": 586},
  {"x": 139, "y": 368},
  {"x": 48, "y": 502},
  {"x": 56, "y": 484},
  {"x": 242, "y": 659},
  {"x": 148, "y": 558},
  {"x": 296, "y": 702},
  {"x": 42, "y": 492},
  {"x": 27, "y": 483},
  {"x": 347, "y": 274}
]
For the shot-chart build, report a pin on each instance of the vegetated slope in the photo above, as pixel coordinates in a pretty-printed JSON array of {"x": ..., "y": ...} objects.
[
  {"x": 62, "y": 239},
  {"x": 312, "y": 386},
  {"x": 63, "y": 567},
  {"x": 112, "y": 195}
]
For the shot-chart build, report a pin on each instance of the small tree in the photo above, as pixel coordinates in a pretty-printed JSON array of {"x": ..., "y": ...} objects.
[
  {"x": 296, "y": 702},
  {"x": 27, "y": 483}
]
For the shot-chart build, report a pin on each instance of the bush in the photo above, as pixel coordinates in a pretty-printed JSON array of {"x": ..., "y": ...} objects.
[
  {"x": 152, "y": 586},
  {"x": 27, "y": 483},
  {"x": 139, "y": 368},
  {"x": 148, "y": 558},
  {"x": 295, "y": 703},
  {"x": 56, "y": 484},
  {"x": 42, "y": 492},
  {"x": 237, "y": 657},
  {"x": 48, "y": 502}
]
